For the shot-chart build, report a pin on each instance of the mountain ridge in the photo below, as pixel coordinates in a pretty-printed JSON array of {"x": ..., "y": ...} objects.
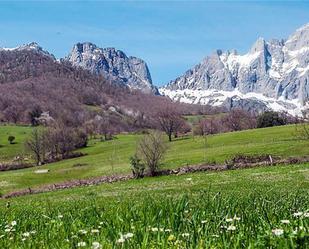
[{"x": 277, "y": 70}]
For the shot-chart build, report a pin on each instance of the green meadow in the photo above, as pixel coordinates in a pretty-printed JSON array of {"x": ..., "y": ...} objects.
[{"x": 264, "y": 207}]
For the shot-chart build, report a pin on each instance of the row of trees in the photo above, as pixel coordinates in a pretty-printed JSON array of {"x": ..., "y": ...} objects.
[
  {"x": 56, "y": 142},
  {"x": 237, "y": 120}
]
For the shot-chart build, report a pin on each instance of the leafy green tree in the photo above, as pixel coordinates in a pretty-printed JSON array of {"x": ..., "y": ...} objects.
[{"x": 11, "y": 139}]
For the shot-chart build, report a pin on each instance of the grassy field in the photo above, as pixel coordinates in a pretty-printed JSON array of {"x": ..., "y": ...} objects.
[
  {"x": 112, "y": 157},
  {"x": 7, "y": 150},
  {"x": 251, "y": 208},
  {"x": 265, "y": 207}
]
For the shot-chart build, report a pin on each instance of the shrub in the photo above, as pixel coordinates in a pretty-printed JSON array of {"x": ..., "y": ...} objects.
[
  {"x": 151, "y": 149},
  {"x": 269, "y": 119},
  {"x": 137, "y": 167},
  {"x": 11, "y": 139}
]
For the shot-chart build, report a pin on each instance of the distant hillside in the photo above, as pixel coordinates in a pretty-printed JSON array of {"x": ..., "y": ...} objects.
[{"x": 31, "y": 79}]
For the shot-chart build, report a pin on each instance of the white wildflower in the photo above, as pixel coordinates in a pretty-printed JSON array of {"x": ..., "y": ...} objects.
[
  {"x": 60, "y": 216},
  {"x": 95, "y": 231},
  {"x": 236, "y": 218},
  {"x": 277, "y": 231},
  {"x": 229, "y": 220},
  {"x": 81, "y": 244},
  {"x": 204, "y": 221},
  {"x": 154, "y": 229},
  {"x": 306, "y": 215},
  {"x": 297, "y": 214},
  {"x": 96, "y": 245},
  {"x": 128, "y": 235},
  {"x": 185, "y": 234},
  {"x": 13, "y": 223},
  {"x": 231, "y": 228},
  {"x": 82, "y": 231},
  {"x": 23, "y": 239},
  {"x": 26, "y": 234},
  {"x": 189, "y": 179},
  {"x": 7, "y": 230},
  {"x": 168, "y": 230},
  {"x": 1, "y": 236},
  {"x": 121, "y": 240},
  {"x": 101, "y": 223},
  {"x": 285, "y": 221}
]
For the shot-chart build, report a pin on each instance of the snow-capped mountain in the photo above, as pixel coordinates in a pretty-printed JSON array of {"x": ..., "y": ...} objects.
[
  {"x": 114, "y": 65},
  {"x": 272, "y": 75}
]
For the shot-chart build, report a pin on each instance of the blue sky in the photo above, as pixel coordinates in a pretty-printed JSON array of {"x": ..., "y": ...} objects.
[{"x": 171, "y": 36}]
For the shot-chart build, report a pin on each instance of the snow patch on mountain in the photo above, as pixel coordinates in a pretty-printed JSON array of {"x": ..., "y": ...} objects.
[{"x": 275, "y": 73}]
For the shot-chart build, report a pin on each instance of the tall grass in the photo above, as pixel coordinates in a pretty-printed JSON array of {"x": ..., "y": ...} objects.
[{"x": 201, "y": 220}]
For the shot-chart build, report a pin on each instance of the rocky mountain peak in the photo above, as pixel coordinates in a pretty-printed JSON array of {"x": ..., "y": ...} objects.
[
  {"x": 273, "y": 74},
  {"x": 114, "y": 64},
  {"x": 258, "y": 46},
  {"x": 299, "y": 39},
  {"x": 32, "y": 46}
]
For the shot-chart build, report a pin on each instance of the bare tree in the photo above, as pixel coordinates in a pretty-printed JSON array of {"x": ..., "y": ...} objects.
[
  {"x": 151, "y": 149},
  {"x": 170, "y": 121},
  {"x": 37, "y": 146},
  {"x": 238, "y": 120},
  {"x": 302, "y": 128}
]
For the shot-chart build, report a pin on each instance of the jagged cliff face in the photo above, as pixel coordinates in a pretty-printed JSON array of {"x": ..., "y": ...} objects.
[
  {"x": 114, "y": 65},
  {"x": 272, "y": 75}
]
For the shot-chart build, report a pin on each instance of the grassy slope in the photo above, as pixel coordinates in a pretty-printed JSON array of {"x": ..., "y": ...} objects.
[
  {"x": 9, "y": 151},
  {"x": 261, "y": 197},
  {"x": 112, "y": 157}
]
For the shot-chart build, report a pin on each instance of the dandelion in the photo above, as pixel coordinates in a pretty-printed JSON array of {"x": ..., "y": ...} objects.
[
  {"x": 231, "y": 228},
  {"x": 297, "y": 214},
  {"x": 81, "y": 244},
  {"x": 26, "y": 234},
  {"x": 96, "y": 245},
  {"x": 229, "y": 220},
  {"x": 171, "y": 238},
  {"x": 277, "y": 231},
  {"x": 95, "y": 231},
  {"x": 285, "y": 221},
  {"x": 13, "y": 223},
  {"x": 185, "y": 234}
]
